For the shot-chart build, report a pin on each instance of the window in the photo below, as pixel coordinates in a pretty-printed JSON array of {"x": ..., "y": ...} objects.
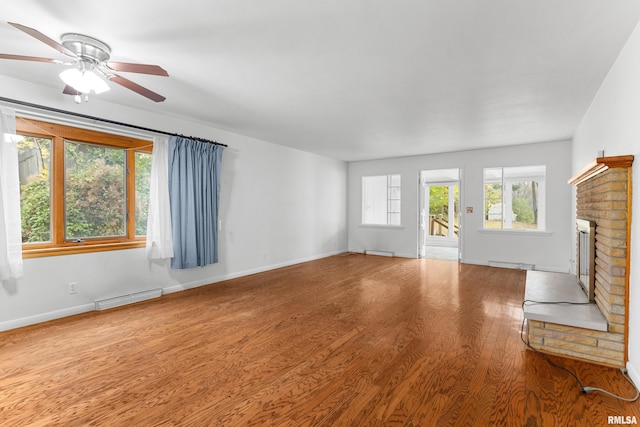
[
  {"x": 81, "y": 190},
  {"x": 514, "y": 198},
  {"x": 381, "y": 200}
]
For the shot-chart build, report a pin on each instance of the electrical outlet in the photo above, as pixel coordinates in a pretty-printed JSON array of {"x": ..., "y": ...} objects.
[{"x": 73, "y": 288}]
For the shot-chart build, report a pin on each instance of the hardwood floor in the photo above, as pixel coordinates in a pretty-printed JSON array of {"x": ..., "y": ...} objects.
[{"x": 350, "y": 340}]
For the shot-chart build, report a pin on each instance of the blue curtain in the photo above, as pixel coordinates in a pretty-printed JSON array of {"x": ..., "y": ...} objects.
[{"x": 194, "y": 192}]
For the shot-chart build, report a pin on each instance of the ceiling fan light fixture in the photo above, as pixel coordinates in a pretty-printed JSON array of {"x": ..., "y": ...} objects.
[
  {"x": 92, "y": 65},
  {"x": 84, "y": 81}
]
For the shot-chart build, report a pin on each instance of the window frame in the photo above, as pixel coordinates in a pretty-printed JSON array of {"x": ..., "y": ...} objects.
[
  {"x": 506, "y": 197},
  {"x": 389, "y": 198},
  {"x": 58, "y": 133}
]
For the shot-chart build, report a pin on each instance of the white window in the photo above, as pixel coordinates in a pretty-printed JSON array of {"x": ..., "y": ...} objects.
[
  {"x": 381, "y": 200},
  {"x": 514, "y": 197}
]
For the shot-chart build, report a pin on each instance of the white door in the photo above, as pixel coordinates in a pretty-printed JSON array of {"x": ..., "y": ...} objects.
[{"x": 439, "y": 209}]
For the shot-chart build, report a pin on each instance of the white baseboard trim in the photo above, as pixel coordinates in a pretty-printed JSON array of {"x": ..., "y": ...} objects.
[
  {"x": 401, "y": 255},
  {"x": 57, "y": 314},
  {"x": 379, "y": 253},
  {"x": 184, "y": 286},
  {"x": 372, "y": 252},
  {"x": 552, "y": 269},
  {"x": 634, "y": 374},
  {"x": 45, "y": 317},
  {"x": 474, "y": 262},
  {"x": 215, "y": 279},
  {"x": 513, "y": 265}
]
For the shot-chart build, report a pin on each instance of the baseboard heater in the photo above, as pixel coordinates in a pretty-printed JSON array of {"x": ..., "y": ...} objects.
[
  {"x": 380, "y": 253},
  {"x": 104, "y": 304},
  {"x": 516, "y": 265}
]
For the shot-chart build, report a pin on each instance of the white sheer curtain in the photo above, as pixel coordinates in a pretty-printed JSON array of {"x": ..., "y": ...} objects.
[
  {"x": 159, "y": 240},
  {"x": 10, "y": 224}
]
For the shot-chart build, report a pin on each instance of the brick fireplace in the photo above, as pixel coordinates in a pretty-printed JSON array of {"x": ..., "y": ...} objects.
[{"x": 603, "y": 196}]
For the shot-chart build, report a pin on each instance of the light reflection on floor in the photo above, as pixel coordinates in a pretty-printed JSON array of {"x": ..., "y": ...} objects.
[{"x": 447, "y": 253}]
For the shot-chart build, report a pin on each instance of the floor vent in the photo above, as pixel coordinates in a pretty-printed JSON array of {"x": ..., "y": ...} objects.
[{"x": 104, "y": 304}]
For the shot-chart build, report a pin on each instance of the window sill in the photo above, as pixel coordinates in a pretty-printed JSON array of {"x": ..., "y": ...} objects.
[
  {"x": 384, "y": 227},
  {"x": 79, "y": 248},
  {"x": 516, "y": 232}
]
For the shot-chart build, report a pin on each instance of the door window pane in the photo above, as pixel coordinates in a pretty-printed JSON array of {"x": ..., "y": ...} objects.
[{"x": 438, "y": 210}]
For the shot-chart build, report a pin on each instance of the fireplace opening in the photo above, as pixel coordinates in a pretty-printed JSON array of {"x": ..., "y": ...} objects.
[{"x": 586, "y": 257}]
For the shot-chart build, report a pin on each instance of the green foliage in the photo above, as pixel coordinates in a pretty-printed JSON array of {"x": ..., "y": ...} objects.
[
  {"x": 492, "y": 196},
  {"x": 34, "y": 155},
  {"x": 95, "y": 200},
  {"x": 36, "y": 221},
  {"x": 438, "y": 200},
  {"x": 524, "y": 212},
  {"x": 94, "y": 190},
  {"x": 143, "y": 175}
]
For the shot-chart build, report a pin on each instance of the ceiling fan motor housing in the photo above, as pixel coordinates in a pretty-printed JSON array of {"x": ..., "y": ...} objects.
[{"x": 86, "y": 48}]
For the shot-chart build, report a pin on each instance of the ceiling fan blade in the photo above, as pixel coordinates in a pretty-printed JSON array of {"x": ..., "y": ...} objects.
[
  {"x": 68, "y": 90},
  {"x": 128, "y": 67},
  {"x": 28, "y": 58},
  {"x": 44, "y": 39},
  {"x": 136, "y": 88}
]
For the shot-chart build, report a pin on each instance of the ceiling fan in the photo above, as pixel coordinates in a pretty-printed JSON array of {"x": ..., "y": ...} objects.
[{"x": 89, "y": 60}]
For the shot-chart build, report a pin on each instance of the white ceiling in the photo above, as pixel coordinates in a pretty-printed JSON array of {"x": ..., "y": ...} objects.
[{"x": 349, "y": 79}]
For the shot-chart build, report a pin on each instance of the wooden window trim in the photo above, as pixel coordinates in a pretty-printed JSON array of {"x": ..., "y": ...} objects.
[{"x": 57, "y": 133}]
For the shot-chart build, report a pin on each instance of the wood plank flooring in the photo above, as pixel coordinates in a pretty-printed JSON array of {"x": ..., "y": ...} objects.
[{"x": 350, "y": 340}]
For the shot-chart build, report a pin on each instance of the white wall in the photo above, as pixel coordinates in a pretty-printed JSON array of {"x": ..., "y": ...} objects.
[
  {"x": 552, "y": 251},
  {"x": 278, "y": 206},
  {"x": 612, "y": 124}
]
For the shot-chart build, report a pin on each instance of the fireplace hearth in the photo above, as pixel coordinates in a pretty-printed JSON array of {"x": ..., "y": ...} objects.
[{"x": 603, "y": 211}]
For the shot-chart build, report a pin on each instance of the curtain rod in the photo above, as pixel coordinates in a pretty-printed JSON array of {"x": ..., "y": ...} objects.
[{"x": 113, "y": 122}]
